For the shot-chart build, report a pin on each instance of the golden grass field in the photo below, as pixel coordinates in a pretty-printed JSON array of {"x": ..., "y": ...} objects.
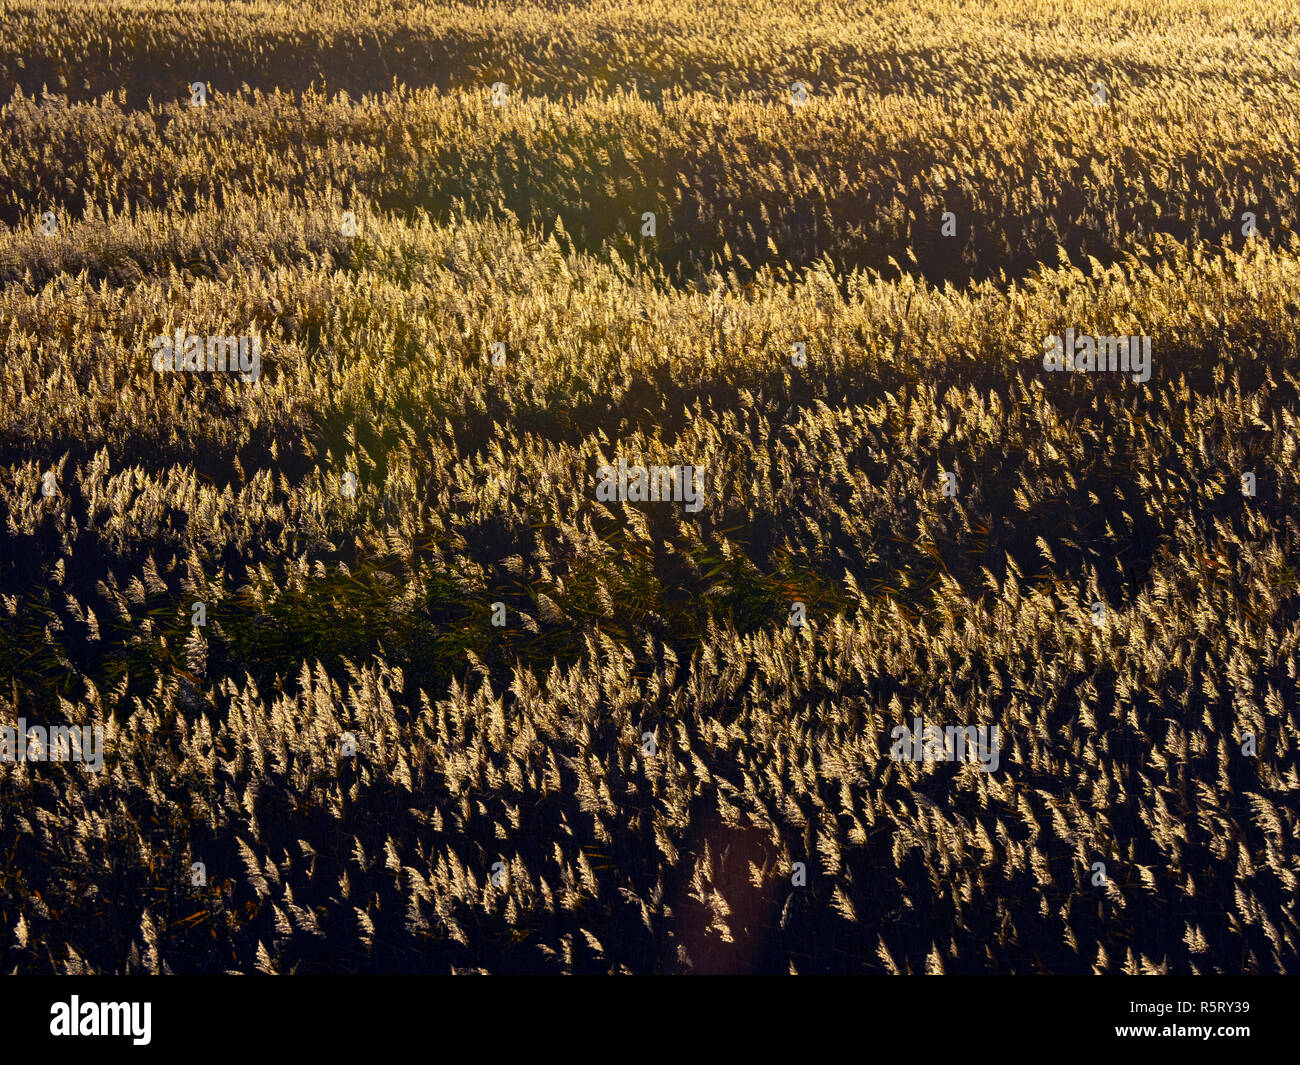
[{"x": 504, "y": 810}]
